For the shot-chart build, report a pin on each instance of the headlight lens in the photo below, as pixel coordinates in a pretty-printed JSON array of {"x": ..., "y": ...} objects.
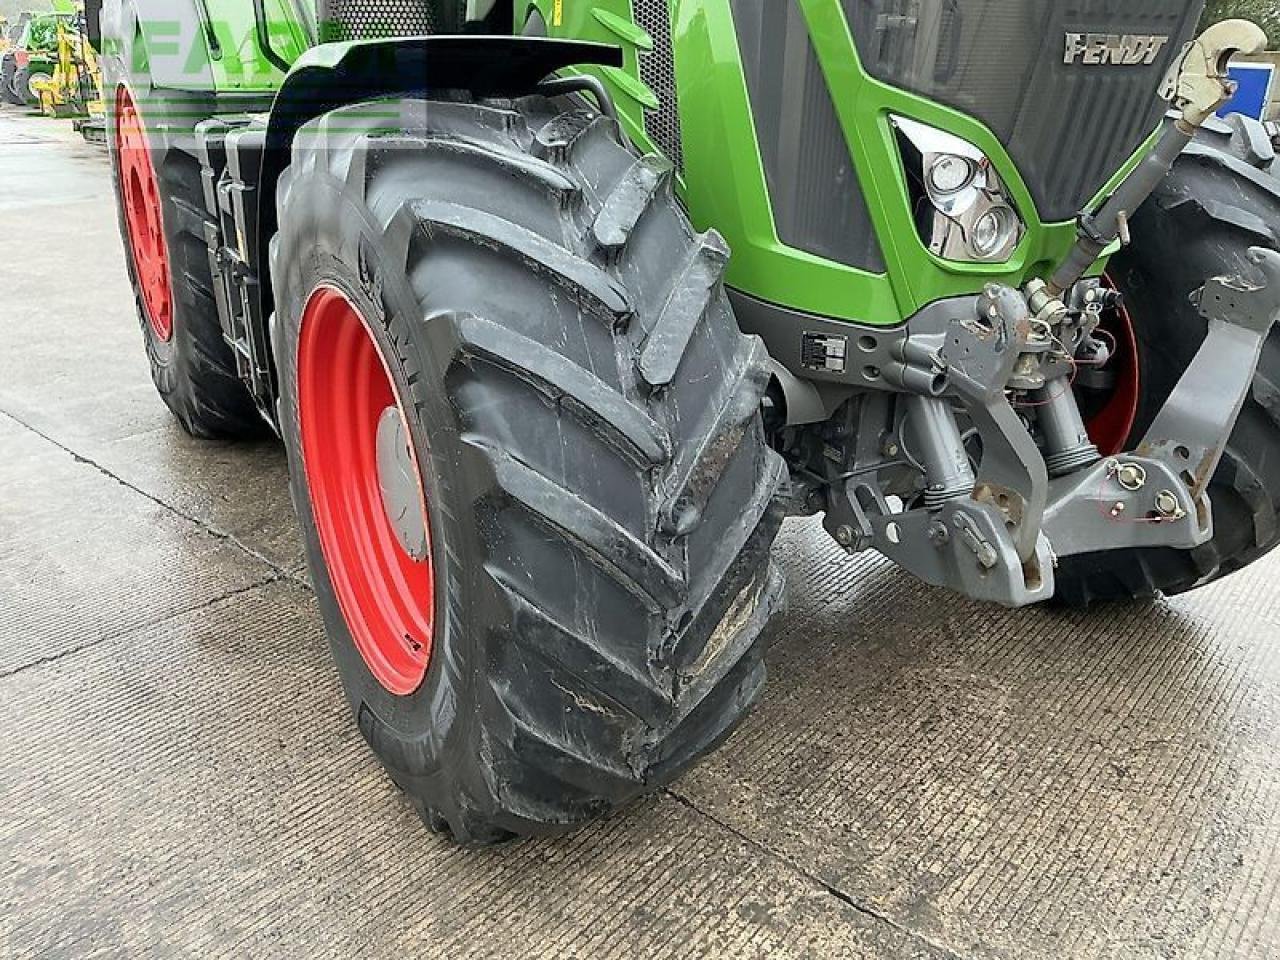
[
  {"x": 992, "y": 232},
  {"x": 963, "y": 210},
  {"x": 950, "y": 173}
]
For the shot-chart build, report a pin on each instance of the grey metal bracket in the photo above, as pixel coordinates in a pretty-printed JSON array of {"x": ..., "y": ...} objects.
[
  {"x": 1157, "y": 496},
  {"x": 980, "y": 355},
  {"x": 967, "y": 546},
  {"x": 1124, "y": 502},
  {"x": 988, "y": 545},
  {"x": 1190, "y": 432}
]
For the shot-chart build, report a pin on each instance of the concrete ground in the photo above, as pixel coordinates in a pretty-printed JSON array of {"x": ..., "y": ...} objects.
[{"x": 924, "y": 778}]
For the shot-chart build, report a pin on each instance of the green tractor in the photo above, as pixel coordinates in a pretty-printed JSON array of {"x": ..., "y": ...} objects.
[
  {"x": 34, "y": 58},
  {"x": 561, "y": 307}
]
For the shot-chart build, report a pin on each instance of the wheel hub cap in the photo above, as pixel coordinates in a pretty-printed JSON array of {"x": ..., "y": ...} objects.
[
  {"x": 366, "y": 492},
  {"x": 398, "y": 481}
]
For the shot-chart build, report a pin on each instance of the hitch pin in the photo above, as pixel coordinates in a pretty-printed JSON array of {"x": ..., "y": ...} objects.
[{"x": 1131, "y": 476}]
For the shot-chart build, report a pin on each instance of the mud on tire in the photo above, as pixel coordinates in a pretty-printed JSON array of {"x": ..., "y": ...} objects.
[
  {"x": 586, "y": 413},
  {"x": 1199, "y": 224}
]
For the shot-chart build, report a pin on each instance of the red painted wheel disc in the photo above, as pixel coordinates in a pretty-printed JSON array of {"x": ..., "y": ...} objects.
[
  {"x": 140, "y": 193},
  {"x": 1110, "y": 427},
  {"x": 387, "y": 596}
]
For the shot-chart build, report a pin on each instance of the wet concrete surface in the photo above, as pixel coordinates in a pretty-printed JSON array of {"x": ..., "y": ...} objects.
[{"x": 924, "y": 778}]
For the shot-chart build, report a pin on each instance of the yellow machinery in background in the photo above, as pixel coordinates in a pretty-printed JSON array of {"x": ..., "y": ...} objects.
[{"x": 75, "y": 89}]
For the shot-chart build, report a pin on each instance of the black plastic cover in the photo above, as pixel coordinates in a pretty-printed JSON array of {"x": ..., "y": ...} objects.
[
  {"x": 818, "y": 204},
  {"x": 1068, "y": 126}
]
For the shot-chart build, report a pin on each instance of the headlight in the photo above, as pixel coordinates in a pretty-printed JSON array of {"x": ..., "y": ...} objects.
[
  {"x": 962, "y": 208},
  {"x": 950, "y": 174},
  {"x": 994, "y": 231}
]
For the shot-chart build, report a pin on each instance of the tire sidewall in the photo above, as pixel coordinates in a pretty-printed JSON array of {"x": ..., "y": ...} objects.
[{"x": 322, "y": 233}]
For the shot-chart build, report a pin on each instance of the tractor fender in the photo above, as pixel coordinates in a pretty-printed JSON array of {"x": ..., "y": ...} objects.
[{"x": 335, "y": 75}]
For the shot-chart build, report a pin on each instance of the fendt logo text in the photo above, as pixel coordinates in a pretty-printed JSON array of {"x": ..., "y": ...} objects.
[{"x": 1114, "y": 49}]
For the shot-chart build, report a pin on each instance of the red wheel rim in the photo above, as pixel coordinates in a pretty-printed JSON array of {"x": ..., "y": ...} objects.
[
  {"x": 140, "y": 194},
  {"x": 1110, "y": 427},
  {"x": 387, "y": 596}
]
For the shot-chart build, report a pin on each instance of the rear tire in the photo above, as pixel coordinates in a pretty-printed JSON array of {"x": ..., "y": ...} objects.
[
  {"x": 192, "y": 367},
  {"x": 22, "y": 82},
  {"x": 1199, "y": 224},
  {"x": 8, "y": 71},
  {"x": 585, "y": 413}
]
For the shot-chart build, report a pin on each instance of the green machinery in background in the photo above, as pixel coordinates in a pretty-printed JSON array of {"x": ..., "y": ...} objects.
[{"x": 33, "y": 57}]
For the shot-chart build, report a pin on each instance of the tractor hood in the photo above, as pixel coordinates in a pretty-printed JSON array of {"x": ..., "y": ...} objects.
[{"x": 1068, "y": 86}]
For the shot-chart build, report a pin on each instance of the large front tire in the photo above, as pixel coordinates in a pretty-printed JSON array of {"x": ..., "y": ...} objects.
[
  {"x": 1199, "y": 224},
  {"x": 583, "y": 415}
]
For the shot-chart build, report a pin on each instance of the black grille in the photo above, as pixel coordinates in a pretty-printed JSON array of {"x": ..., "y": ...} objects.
[
  {"x": 342, "y": 20},
  {"x": 658, "y": 72},
  {"x": 1068, "y": 127},
  {"x": 817, "y": 201}
]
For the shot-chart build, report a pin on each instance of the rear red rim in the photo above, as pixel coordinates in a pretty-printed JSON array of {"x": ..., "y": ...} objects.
[
  {"x": 387, "y": 596},
  {"x": 1110, "y": 427},
  {"x": 140, "y": 193}
]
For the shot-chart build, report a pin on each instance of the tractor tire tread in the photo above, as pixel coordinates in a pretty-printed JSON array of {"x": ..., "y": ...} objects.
[{"x": 609, "y": 680}]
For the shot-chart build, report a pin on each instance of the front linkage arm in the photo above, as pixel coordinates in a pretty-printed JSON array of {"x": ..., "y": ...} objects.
[
  {"x": 1157, "y": 495},
  {"x": 994, "y": 531}
]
